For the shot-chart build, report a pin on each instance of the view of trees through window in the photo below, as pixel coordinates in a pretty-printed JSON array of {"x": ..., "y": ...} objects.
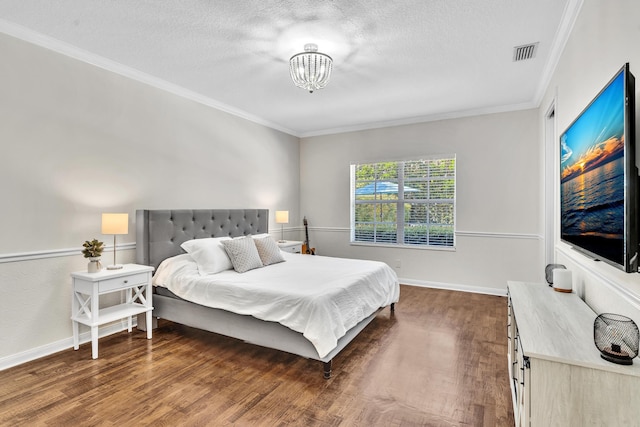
[{"x": 406, "y": 202}]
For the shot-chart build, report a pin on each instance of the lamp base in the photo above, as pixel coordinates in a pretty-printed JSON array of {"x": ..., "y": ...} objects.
[
  {"x": 114, "y": 267},
  {"x": 620, "y": 357}
]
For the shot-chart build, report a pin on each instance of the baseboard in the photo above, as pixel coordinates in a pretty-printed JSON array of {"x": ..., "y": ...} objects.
[
  {"x": 455, "y": 287},
  {"x": 65, "y": 344}
]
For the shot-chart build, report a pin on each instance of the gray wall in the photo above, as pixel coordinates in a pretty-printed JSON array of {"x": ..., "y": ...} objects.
[
  {"x": 498, "y": 200},
  {"x": 604, "y": 37},
  {"x": 77, "y": 141}
]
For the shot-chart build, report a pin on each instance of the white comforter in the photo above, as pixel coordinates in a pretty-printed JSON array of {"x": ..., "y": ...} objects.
[{"x": 320, "y": 297}]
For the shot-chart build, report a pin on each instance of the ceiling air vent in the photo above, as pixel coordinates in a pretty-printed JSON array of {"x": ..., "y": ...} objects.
[{"x": 527, "y": 51}]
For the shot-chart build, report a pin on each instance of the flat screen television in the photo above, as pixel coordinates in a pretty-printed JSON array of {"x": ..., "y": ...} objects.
[{"x": 598, "y": 177}]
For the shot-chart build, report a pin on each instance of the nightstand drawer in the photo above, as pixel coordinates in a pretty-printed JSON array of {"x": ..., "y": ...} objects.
[
  {"x": 111, "y": 285},
  {"x": 291, "y": 246},
  {"x": 295, "y": 249}
]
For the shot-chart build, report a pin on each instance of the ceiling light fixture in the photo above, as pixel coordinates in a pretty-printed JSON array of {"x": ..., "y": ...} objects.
[{"x": 310, "y": 70}]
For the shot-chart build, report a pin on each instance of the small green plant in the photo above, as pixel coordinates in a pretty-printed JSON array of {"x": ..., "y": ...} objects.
[{"x": 92, "y": 249}]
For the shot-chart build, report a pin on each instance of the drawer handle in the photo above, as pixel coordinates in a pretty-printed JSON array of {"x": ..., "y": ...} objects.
[{"x": 126, "y": 281}]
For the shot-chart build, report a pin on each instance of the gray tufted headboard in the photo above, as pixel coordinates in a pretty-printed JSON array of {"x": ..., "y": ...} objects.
[{"x": 159, "y": 233}]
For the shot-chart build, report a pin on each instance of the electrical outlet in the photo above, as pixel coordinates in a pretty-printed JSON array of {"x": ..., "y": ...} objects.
[{"x": 398, "y": 263}]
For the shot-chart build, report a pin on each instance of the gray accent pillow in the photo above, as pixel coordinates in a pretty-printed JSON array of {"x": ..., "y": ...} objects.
[
  {"x": 268, "y": 250},
  {"x": 243, "y": 254}
]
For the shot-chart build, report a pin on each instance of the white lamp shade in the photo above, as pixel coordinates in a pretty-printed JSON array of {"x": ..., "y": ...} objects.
[
  {"x": 282, "y": 217},
  {"x": 115, "y": 223}
]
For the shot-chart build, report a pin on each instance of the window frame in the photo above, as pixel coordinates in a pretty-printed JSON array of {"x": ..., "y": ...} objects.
[{"x": 400, "y": 203}]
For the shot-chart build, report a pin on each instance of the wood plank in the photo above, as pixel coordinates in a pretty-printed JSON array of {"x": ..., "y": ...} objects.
[{"x": 439, "y": 360}]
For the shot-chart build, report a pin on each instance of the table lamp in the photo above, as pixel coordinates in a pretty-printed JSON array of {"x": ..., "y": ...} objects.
[
  {"x": 115, "y": 223},
  {"x": 282, "y": 217}
]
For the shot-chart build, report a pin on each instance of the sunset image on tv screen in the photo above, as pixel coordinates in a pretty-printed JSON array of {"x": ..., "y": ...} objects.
[{"x": 592, "y": 175}]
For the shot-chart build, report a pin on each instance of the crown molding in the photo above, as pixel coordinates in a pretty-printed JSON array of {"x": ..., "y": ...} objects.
[
  {"x": 562, "y": 35},
  {"x": 66, "y": 49},
  {"x": 568, "y": 20},
  {"x": 422, "y": 119}
]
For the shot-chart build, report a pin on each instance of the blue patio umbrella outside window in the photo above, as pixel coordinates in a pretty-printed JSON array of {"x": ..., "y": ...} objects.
[{"x": 382, "y": 187}]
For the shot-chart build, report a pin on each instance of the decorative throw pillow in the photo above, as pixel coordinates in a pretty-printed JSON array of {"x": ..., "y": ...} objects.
[
  {"x": 209, "y": 254},
  {"x": 243, "y": 254},
  {"x": 268, "y": 250}
]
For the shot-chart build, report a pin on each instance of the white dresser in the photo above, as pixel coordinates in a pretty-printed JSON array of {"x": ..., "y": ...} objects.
[{"x": 557, "y": 375}]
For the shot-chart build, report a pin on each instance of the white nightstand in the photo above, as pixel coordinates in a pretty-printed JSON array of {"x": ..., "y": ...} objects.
[
  {"x": 291, "y": 246},
  {"x": 134, "y": 279}
]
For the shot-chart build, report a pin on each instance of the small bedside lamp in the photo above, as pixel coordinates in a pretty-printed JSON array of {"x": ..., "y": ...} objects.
[
  {"x": 115, "y": 223},
  {"x": 282, "y": 217}
]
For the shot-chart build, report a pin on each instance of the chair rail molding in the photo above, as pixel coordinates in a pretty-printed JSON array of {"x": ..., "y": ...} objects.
[
  {"x": 459, "y": 233},
  {"x": 56, "y": 253}
]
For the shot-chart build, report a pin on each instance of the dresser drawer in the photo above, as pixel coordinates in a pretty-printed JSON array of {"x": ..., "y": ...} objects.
[{"x": 110, "y": 285}]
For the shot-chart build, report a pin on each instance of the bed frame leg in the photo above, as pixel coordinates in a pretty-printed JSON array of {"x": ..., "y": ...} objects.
[
  {"x": 393, "y": 307},
  {"x": 327, "y": 370}
]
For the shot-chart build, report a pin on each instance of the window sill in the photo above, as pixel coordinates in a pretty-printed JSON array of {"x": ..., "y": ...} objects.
[{"x": 396, "y": 246}]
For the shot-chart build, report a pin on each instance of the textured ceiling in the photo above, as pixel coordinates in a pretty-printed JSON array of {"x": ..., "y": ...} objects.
[{"x": 394, "y": 61}]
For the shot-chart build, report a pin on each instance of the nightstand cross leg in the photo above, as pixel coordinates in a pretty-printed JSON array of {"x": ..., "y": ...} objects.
[
  {"x": 139, "y": 295},
  {"x": 82, "y": 305}
]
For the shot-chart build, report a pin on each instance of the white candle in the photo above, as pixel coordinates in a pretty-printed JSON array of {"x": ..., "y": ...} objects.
[{"x": 562, "y": 280}]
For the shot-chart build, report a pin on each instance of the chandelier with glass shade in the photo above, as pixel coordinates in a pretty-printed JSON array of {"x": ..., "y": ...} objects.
[{"x": 310, "y": 70}]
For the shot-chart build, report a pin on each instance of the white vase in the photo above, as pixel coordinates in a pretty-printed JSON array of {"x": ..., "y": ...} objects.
[{"x": 94, "y": 265}]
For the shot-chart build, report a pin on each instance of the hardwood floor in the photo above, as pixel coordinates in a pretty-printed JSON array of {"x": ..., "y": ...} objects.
[{"x": 440, "y": 360}]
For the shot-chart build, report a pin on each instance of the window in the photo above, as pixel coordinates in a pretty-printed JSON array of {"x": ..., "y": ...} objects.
[{"x": 406, "y": 203}]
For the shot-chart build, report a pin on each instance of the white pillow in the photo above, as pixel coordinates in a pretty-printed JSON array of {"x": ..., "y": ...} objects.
[
  {"x": 243, "y": 254},
  {"x": 172, "y": 266},
  {"x": 260, "y": 236},
  {"x": 209, "y": 254},
  {"x": 268, "y": 250}
]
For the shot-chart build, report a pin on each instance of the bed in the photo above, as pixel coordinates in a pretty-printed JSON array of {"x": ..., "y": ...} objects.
[{"x": 159, "y": 236}]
